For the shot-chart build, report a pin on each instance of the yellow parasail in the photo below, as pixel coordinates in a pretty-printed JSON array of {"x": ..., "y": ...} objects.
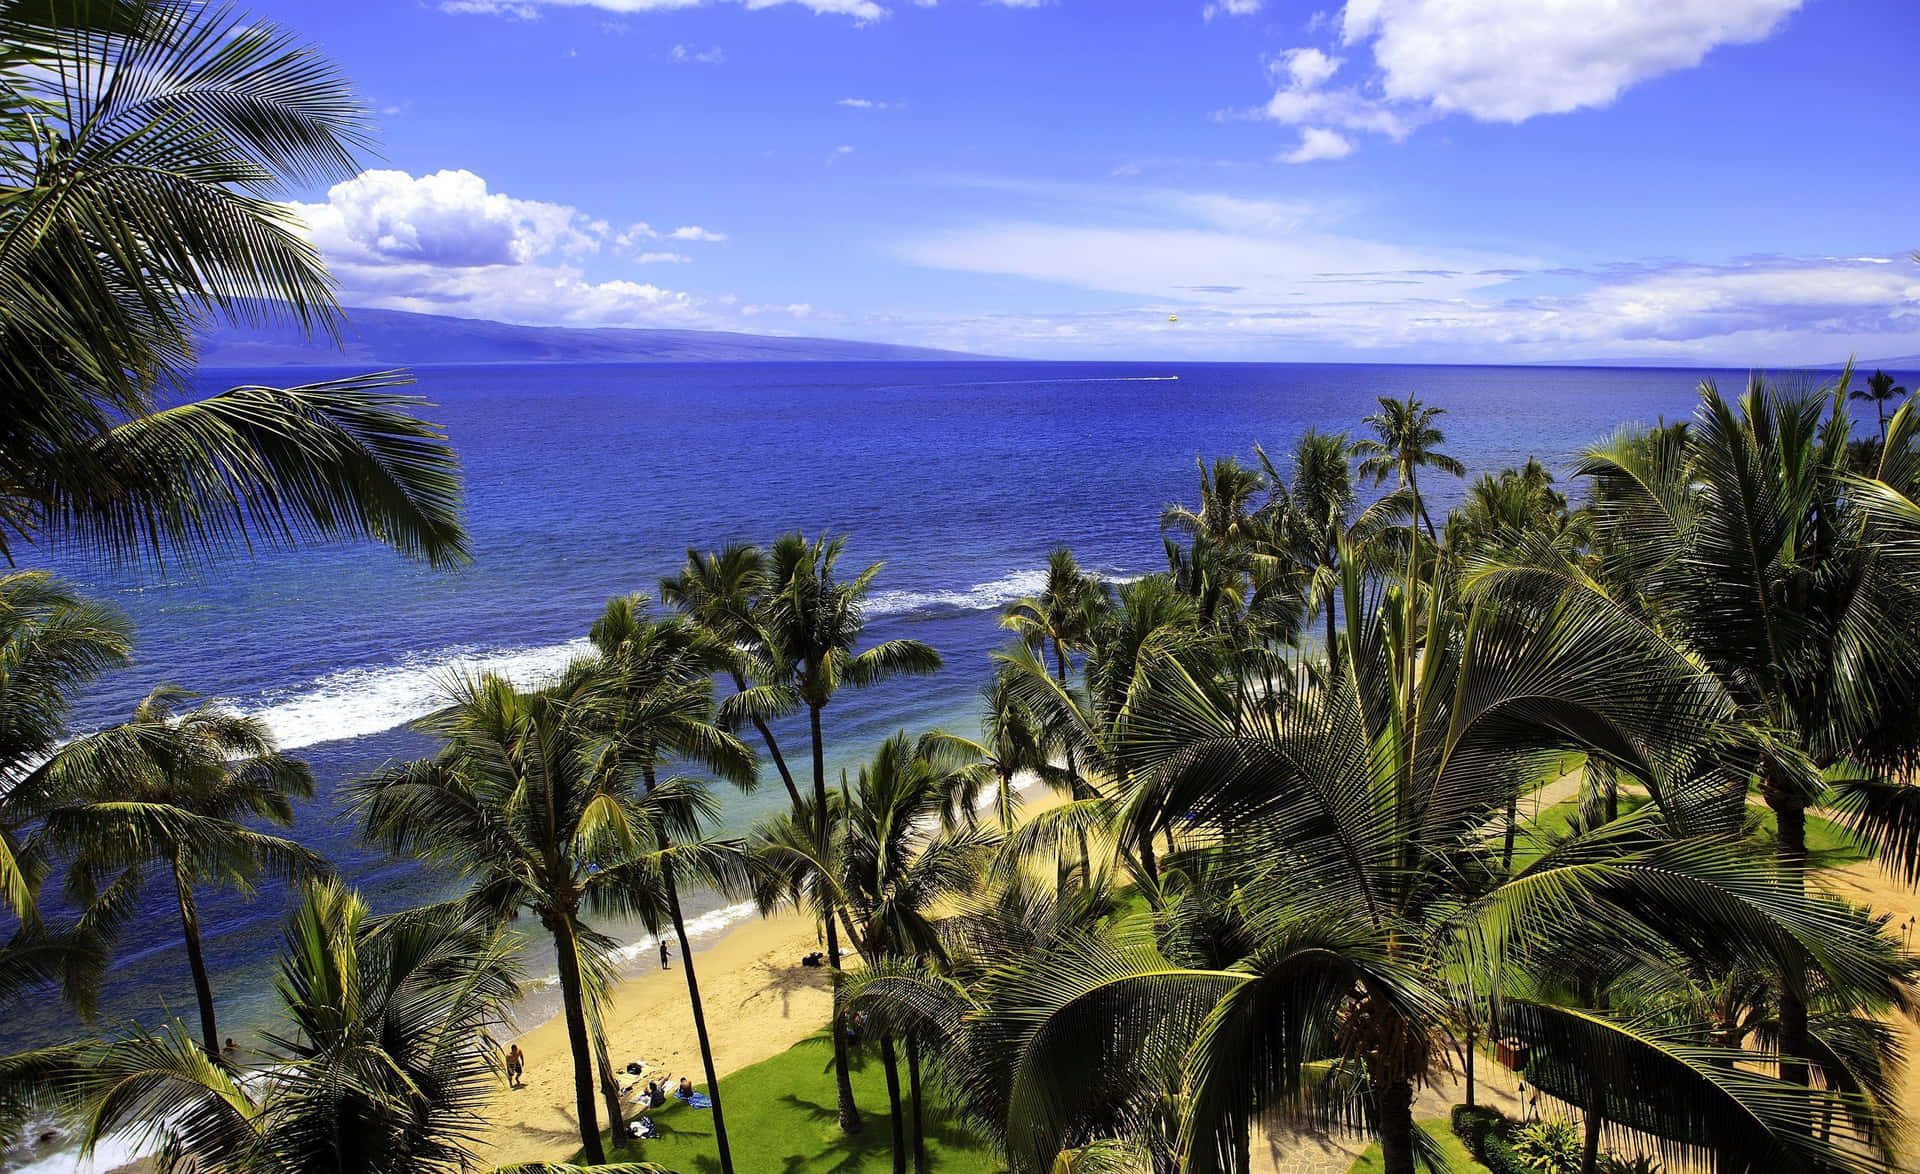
[{"x": 1173, "y": 317}]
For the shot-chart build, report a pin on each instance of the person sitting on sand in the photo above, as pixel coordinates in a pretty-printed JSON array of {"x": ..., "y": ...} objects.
[
  {"x": 656, "y": 1093},
  {"x": 685, "y": 1091},
  {"x": 516, "y": 1064}
]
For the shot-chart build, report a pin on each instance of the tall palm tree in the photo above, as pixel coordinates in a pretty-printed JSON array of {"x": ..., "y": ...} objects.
[
  {"x": 1058, "y": 619},
  {"x": 1880, "y": 391},
  {"x": 812, "y": 621},
  {"x": 1310, "y": 518},
  {"x": 149, "y": 144},
  {"x": 384, "y": 1059},
  {"x": 1746, "y": 543},
  {"x": 722, "y": 591},
  {"x": 660, "y": 676},
  {"x": 1405, "y": 441},
  {"x": 172, "y": 789},
  {"x": 522, "y": 800},
  {"x": 909, "y": 847}
]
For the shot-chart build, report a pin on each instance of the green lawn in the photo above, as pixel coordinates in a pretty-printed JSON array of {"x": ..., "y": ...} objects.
[
  {"x": 1458, "y": 1159},
  {"x": 1828, "y": 844},
  {"x": 781, "y": 1120}
]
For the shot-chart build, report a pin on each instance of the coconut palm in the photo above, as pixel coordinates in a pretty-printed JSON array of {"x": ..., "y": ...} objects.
[
  {"x": 149, "y": 144},
  {"x": 1880, "y": 391},
  {"x": 721, "y": 591},
  {"x": 811, "y": 621},
  {"x": 1314, "y": 515},
  {"x": 383, "y": 1061},
  {"x": 173, "y": 789},
  {"x": 1746, "y": 544},
  {"x": 1059, "y": 618},
  {"x": 659, "y": 674},
  {"x": 52, "y": 645},
  {"x": 1405, "y": 441},
  {"x": 1352, "y": 819},
  {"x": 1225, "y": 516},
  {"x": 523, "y": 800}
]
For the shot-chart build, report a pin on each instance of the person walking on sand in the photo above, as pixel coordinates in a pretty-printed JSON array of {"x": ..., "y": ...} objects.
[
  {"x": 516, "y": 1064},
  {"x": 665, "y": 958}
]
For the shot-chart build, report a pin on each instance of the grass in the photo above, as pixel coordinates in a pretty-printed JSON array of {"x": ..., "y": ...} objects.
[
  {"x": 1829, "y": 845},
  {"x": 1459, "y": 1159},
  {"x": 781, "y": 1119}
]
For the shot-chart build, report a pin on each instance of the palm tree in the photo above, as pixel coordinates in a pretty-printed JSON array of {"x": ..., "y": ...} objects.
[
  {"x": 1405, "y": 441},
  {"x": 384, "y": 1060},
  {"x": 1310, "y": 518},
  {"x": 1059, "y": 618},
  {"x": 147, "y": 145},
  {"x": 1350, "y": 820},
  {"x": 1225, "y": 516},
  {"x": 1746, "y": 543},
  {"x": 660, "y": 676},
  {"x": 52, "y": 645},
  {"x": 171, "y": 789},
  {"x": 722, "y": 591},
  {"x": 1880, "y": 391},
  {"x": 909, "y": 847},
  {"x": 522, "y": 800},
  {"x": 811, "y": 620}
]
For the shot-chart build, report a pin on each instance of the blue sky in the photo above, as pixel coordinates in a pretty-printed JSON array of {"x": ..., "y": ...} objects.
[{"x": 1442, "y": 180}]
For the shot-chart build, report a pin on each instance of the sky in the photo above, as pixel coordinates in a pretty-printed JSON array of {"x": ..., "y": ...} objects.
[{"x": 1716, "y": 181}]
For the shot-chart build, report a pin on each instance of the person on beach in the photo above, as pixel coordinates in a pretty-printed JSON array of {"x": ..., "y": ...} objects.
[
  {"x": 232, "y": 1049},
  {"x": 516, "y": 1064},
  {"x": 664, "y": 957},
  {"x": 685, "y": 1091}
]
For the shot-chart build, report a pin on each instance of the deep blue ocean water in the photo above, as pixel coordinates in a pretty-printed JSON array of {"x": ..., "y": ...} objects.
[{"x": 590, "y": 481}]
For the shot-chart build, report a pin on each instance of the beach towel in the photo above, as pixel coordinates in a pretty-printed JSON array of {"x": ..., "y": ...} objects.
[{"x": 699, "y": 1101}]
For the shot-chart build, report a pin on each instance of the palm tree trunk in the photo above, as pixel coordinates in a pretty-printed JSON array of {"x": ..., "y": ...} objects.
[
  {"x": 190, "y": 930},
  {"x": 919, "y": 1119},
  {"x": 609, "y": 1089},
  {"x": 899, "y": 1119},
  {"x": 843, "y": 1083},
  {"x": 1513, "y": 822},
  {"x": 1790, "y": 820},
  {"x": 699, "y": 1021},
  {"x": 1396, "y": 1128},
  {"x": 773, "y": 748},
  {"x": 1590, "y": 1155},
  {"x": 566, "y": 953},
  {"x": 1413, "y": 483},
  {"x": 1073, "y": 772},
  {"x": 1467, "y": 1060}
]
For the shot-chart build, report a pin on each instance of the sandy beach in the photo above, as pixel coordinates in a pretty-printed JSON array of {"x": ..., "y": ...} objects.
[{"x": 759, "y": 1002}]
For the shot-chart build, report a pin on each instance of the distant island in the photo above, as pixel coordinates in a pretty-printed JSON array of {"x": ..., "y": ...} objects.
[{"x": 399, "y": 338}]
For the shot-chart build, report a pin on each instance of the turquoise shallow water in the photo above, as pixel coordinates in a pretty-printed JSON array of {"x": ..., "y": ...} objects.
[{"x": 590, "y": 481}]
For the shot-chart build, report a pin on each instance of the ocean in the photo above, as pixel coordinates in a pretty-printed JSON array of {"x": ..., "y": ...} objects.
[{"x": 585, "y": 482}]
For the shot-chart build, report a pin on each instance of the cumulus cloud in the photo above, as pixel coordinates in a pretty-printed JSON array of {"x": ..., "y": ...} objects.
[
  {"x": 444, "y": 243},
  {"x": 1500, "y": 60}
]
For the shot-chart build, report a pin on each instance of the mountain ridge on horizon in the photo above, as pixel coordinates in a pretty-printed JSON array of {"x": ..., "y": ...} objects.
[{"x": 404, "y": 338}]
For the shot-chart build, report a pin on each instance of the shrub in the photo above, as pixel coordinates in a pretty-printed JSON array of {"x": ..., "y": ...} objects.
[{"x": 1550, "y": 1147}]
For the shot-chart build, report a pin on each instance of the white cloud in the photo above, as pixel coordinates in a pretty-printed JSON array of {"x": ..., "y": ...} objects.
[
  {"x": 1316, "y": 143},
  {"x": 689, "y": 55},
  {"x": 861, "y": 104},
  {"x": 1502, "y": 60},
  {"x": 1269, "y": 279},
  {"x": 1231, "y": 8},
  {"x": 447, "y": 219},
  {"x": 860, "y": 10},
  {"x": 445, "y": 244}
]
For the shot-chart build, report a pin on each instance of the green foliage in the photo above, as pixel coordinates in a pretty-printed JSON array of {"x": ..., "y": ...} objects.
[
  {"x": 1548, "y": 1146},
  {"x": 1459, "y": 1157},
  {"x": 787, "y": 1105}
]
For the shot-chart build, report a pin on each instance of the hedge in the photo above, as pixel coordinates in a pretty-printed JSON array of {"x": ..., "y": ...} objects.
[{"x": 1486, "y": 1133}]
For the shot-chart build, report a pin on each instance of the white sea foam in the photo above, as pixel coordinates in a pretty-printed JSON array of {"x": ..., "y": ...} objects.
[
  {"x": 356, "y": 702},
  {"x": 979, "y": 597}
]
